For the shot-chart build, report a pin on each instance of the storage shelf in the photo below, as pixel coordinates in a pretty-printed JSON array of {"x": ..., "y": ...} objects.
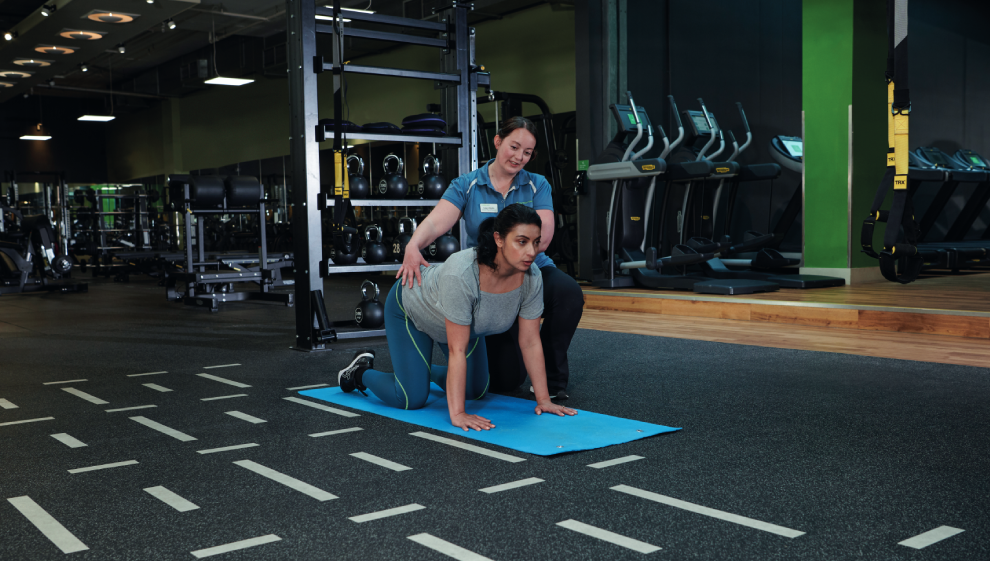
[
  {"x": 327, "y": 136},
  {"x": 329, "y": 268},
  {"x": 386, "y": 202}
]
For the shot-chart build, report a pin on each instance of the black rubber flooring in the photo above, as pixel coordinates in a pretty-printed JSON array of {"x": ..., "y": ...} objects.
[{"x": 854, "y": 454}]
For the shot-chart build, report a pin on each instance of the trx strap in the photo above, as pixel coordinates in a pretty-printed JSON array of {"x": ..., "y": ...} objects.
[
  {"x": 900, "y": 260},
  {"x": 344, "y": 237}
]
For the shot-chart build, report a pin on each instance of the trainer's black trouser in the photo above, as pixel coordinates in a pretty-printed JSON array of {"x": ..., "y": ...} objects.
[{"x": 563, "y": 303}]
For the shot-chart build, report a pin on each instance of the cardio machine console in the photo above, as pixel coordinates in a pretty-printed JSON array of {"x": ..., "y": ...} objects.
[
  {"x": 973, "y": 159},
  {"x": 644, "y": 167},
  {"x": 788, "y": 151},
  {"x": 627, "y": 121}
]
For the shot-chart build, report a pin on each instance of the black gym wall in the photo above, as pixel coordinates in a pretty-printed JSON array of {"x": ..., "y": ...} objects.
[
  {"x": 77, "y": 148},
  {"x": 949, "y": 56},
  {"x": 724, "y": 51}
]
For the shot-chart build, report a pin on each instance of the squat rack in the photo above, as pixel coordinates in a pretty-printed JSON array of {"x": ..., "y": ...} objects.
[{"x": 458, "y": 81}]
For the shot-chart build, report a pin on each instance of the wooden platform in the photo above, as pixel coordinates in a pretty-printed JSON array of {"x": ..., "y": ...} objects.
[{"x": 954, "y": 306}]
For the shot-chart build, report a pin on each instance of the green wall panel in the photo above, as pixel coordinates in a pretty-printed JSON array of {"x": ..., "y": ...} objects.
[{"x": 827, "y": 77}]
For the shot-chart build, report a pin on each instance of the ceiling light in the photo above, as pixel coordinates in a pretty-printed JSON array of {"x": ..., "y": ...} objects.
[
  {"x": 47, "y": 9},
  {"x": 100, "y": 118},
  {"x": 81, "y": 35},
  {"x": 6, "y": 85},
  {"x": 151, "y": 1},
  {"x": 14, "y": 74},
  {"x": 10, "y": 35},
  {"x": 84, "y": 68},
  {"x": 170, "y": 24},
  {"x": 35, "y": 137},
  {"x": 54, "y": 50},
  {"x": 110, "y": 17},
  {"x": 121, "y": 49},
  {"x": 32, "y": 62},
  {"x": 356, "y": 10},
  {"x": 221, "y": 81}
]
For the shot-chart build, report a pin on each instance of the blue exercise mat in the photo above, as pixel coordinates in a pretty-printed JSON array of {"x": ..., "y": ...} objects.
[{"x": 516, "y": 426}]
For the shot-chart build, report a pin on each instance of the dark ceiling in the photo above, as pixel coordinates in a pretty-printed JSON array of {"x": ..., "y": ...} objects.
[{"x": 159, "y": 62}]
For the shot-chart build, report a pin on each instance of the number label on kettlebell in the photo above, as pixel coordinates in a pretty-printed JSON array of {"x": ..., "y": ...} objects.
[
  {"x": 396, "y": 248},
  {"x": 382, "y": 187},
  {"x": 358, "y": 315},
  {"x": 420, "y": 188}
]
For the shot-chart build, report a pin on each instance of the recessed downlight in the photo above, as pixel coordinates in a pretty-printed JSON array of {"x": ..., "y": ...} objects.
[
  {"x": 14, "y": 74},
  {"x": 106, "y": 16},
  {"x": 54, "y": 50},
  {"x": 80, "y": 35},
  {"x": 32, "y": 62},
  {"x": 6, "y": 85},
  {"x": 97, "y": 118}
]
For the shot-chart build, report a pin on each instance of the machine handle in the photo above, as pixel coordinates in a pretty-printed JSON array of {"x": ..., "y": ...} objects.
[
  {"x": 673, "y": 107},
  {"x": 708, "y": 117},
  {"x": 743, "y": 115}
]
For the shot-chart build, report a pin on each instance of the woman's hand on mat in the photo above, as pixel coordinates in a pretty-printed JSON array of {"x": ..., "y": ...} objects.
[
  {"x": 468, "y": 422},
  {"x": 550, "y": 407},
  {"x": 411, "y": 262}
]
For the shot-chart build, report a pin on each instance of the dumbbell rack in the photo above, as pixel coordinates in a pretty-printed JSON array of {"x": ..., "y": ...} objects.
[{"x": 458, "y": 83}]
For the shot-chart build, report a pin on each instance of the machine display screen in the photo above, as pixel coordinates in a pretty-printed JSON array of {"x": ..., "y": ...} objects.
[
  {"x": 937, "y": 159},
  {"x": 977, "y": 161},
  {"x": 795, "y": 148},
  {"x": 700, "y": 123}
]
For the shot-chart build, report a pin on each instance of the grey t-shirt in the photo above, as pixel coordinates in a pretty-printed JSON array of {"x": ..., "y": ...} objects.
[{"x": 451, "y": 290}]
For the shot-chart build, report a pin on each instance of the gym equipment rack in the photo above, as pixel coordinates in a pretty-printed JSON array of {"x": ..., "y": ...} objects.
[{"x": 458, "y": 82}]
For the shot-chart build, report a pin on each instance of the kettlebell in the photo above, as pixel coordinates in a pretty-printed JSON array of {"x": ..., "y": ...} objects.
[
  {"x": 374, "y": 249},
  {"x": 406, "y": 228},
  {"x": 360, "y": 188},
  {"x": 393, "y": 185},
  {"x": 370, "y": 313},
  {"x": 432, "y": 185},
  {"x": 444, "y": 246},
  {"x": 345, "y": 248}
]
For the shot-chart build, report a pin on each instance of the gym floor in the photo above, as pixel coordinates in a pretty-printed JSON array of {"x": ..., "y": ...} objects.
[{"x": 785, "y": 454}]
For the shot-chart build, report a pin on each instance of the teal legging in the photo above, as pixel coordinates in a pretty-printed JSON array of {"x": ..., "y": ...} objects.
[{"x": 412, "y": 352}]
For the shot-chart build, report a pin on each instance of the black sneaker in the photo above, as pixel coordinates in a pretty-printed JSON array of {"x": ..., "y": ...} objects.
[
  {"x": 559, "y": 396},
  {"x": 349, "y": 379}
]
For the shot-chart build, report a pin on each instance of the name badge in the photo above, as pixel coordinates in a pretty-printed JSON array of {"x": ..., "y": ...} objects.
[{"x": 489, "y": 208}]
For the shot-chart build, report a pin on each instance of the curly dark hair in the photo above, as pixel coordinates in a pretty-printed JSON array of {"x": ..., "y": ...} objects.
[{"x": 503, "y": 223}]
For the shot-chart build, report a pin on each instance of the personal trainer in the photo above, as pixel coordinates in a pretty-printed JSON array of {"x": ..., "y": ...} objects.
[
  {"x": 476, "y": 292},
  {"x": 480, "y": 194}
]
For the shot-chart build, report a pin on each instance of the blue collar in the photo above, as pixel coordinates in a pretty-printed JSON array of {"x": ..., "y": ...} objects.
[{"x": 519, "y": 179}]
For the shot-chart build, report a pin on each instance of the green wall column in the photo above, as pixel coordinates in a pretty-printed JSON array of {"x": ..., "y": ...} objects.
[{"x": 844, "y": 99}]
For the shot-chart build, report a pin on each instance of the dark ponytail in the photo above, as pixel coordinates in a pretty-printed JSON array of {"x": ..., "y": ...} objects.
[{"x": 503, "y": 223}]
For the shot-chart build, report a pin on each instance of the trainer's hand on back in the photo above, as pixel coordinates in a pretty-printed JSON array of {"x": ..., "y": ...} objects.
[
  {"x": 468, "y": 422},
  {"x": 411, "y": 262},
  {"x": 550, "y": 407}
]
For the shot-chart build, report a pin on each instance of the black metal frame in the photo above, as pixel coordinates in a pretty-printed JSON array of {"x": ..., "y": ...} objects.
[
  {"x": 219, "y": 284},
  {"x": 458, "y": 82}
]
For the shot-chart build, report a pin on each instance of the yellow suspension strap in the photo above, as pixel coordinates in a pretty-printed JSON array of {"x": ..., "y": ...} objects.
[
  {"x": 900, "y": 260},
  {"x": 344, "y": 237}
]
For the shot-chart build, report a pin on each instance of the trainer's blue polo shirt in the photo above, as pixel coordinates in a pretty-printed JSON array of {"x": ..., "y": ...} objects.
[{"x": 474, "y": 195}]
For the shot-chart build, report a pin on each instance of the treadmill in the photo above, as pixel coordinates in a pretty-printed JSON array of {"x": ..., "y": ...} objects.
[
  {"x": 942, "y": 242},
  {"x": 631, "y": 180},
  {"x": 768, "y": 265}
]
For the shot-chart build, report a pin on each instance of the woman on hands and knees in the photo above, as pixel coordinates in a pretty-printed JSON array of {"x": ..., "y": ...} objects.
[
  {"x": 476, "y": 292},
  {"x": 481, "y": 194}
]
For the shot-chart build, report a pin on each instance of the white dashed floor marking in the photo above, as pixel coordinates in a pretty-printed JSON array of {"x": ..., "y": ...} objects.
[
  {"x": 223, "y": 380},
  {"x": 610, "y": 537},
  {"x": 44, "y": 522}
]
